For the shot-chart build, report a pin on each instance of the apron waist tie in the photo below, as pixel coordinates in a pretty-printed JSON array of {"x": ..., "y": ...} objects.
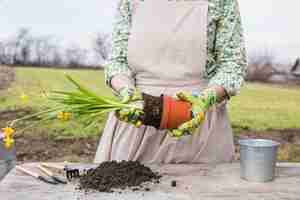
[{"x": 156, "y": 82}]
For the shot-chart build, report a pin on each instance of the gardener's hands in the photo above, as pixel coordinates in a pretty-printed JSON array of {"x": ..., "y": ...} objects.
[
  {"x": 200, "y": 104},
  {"x": 124, "y": 88},
  {"x": 131, "y": 96}
]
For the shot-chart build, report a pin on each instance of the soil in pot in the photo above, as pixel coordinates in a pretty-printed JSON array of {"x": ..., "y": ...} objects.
[
  {"x": 117, "y": 175},
  {"x": 153, "y": 107},
  {"x": 165, "y": 112}
]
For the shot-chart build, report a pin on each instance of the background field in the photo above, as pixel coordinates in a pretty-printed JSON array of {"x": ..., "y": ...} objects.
[{"x": 260, "y": 109}]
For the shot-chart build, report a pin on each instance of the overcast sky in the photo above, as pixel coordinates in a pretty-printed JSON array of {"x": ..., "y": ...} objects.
[{"x": 268, "y": 24}]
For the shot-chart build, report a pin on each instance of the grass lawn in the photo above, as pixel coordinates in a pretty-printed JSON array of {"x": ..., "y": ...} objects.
[
  {"x": 258, "y": 107},
  {"x": 263, "y": 107},
  {"x": 34, "y": 82}
]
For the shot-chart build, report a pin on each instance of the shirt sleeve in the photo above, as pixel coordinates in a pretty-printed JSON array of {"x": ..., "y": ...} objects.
[
  {"x": 117, "y": 63},
  {"x": 230, "y": 50}
]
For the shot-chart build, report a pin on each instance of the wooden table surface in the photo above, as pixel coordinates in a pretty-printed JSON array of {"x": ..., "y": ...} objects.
[{"x": 197, "y": 182}]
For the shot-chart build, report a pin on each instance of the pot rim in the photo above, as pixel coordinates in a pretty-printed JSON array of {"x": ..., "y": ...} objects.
[{"x": 258, "y": 143}]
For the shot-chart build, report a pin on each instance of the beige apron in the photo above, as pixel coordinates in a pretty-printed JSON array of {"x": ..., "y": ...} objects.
[{"x": 167, "y": 53}]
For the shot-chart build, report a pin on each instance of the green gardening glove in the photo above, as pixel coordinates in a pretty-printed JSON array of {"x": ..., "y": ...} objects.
[
  {"x": 127, "y": 94},
  {"x": 131, "y": 96},
  {"x": 200, "y": 104}
]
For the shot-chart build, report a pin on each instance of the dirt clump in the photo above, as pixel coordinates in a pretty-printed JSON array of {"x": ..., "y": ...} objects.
[{"x": 112, "y": 175}]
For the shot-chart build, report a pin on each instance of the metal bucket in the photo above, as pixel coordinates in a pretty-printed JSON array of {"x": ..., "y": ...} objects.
[
  {"x": 258, "y": 159},
  {"x": 7, "y": 158}
]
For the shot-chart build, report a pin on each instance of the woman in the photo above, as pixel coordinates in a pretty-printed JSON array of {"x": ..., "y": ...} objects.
[{"x": 171, "y": 46}]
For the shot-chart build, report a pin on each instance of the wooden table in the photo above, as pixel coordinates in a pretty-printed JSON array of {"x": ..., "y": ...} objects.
[{"x": 197, "y": 182}]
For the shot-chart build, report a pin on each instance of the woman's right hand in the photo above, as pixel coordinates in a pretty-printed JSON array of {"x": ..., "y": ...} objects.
[{"x": 131, "y": 96}]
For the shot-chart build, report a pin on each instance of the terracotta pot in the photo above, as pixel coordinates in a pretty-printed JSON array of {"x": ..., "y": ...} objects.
[{"x": 174, "y": 113}]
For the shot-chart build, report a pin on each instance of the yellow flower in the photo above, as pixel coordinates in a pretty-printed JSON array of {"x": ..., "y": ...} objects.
[
  {"x": 138, "y": 123},
  {"x": 200, "y": 117},
  {"x": 8, "y": 132},
  {"x": 24, "y": 98},
  {"x": 64, "y": 116},
  {"x": 176, "y": 133},
  {"x": 8, "y": 142}
]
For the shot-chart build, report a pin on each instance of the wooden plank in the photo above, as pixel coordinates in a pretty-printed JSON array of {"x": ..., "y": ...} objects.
[{"x": 194, "y": 182}]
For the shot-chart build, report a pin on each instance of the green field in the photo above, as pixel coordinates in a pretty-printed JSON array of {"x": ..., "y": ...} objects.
[{"x": 258, "y": 107}]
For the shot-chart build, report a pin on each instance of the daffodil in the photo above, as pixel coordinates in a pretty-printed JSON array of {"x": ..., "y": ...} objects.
[
  {"x": 8, "y": 142},
  {"x": 24, "y": 98},
  {"x": 200, "y": 117},
  {"x": 64, "y": 116},
  {"x": 138, "y": 123},
  {"x": 8, "y": 132},
  {"x": 176, "y": 133}
]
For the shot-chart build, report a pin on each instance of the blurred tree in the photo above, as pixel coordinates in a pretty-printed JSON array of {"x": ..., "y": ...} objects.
[
  {"x": 22, "y": 44},
  {"x": 27, "y": 49},
  {"x": 75, "y": 56},
  {"x": 102, "y": 46},
  {"x": 45, "y": 51},
  {"x": 261, "y": 66},
  {"x": 6, "y": 52}
]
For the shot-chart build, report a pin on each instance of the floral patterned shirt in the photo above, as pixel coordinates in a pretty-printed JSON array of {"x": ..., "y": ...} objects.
[{"x": 226, "y": 60}]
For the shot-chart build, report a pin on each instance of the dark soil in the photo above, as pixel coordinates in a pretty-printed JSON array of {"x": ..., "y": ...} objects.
[
  {"x": 42, "y": 147},
  {"x": 153, "y": 107},
  {"x": 8, "y": 115},
  {"x": 117, "y": 175}
]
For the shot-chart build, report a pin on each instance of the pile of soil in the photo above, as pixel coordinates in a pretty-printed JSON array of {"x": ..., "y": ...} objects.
[
  {"x": 153, "y": 107},
  {"x": 117, "y": 175}
]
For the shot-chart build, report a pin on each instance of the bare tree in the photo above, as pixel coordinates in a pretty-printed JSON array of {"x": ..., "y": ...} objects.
[
  {"x": 26, "y": 49},
  {"x": 263, "y": 56},
  {"x": 57, "y": 59},
  {"x": 261, "y": 66},
  {"x": 7, "y": 51},
  {"x": 22, "y": 45},
  {"x": 102, "y": 46},
  {"x": 44, "y": 50},
  {"x": 75, "y": 56},
  {"x": 2, "y": 50}
]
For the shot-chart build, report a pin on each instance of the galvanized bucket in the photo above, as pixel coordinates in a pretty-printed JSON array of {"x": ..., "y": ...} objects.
[
  {"x": 7, "y": 158},
  {"x": 258, "y": 159}
]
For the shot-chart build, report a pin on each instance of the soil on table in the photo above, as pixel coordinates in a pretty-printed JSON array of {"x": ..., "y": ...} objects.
[
  {"x": 153, "y": 107},
  {"x": 117, "y": 175}
]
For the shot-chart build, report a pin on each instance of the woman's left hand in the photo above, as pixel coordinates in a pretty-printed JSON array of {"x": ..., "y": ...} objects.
[{"x": 200, "y": 104}]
